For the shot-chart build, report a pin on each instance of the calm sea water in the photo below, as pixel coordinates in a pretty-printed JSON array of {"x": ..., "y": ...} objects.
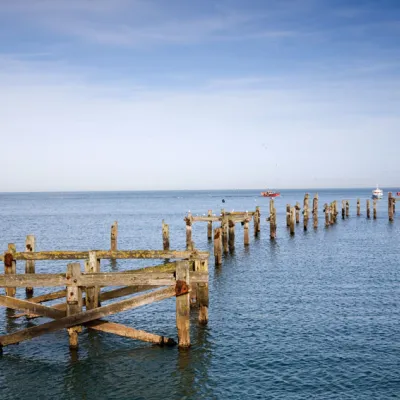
[{"x": 315, "y": 316}]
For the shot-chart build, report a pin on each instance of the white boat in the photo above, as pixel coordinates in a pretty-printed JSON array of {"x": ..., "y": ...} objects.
[{"x": 377, "y": 193}]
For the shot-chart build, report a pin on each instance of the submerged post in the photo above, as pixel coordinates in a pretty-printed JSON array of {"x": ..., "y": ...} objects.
[
  {"x": 246, "y": 238},
  {"x": 202, "y": 295},
  {"x": 326, "y": 211},
  {"x": 390, "y": 206},
  {"x": 272, "y": 219},
  {"x": 374, "y": 206},
  {"x": 358, "y": 207},
  {"x": 256, "y": 219},
  {"x": 343, "y": 209},
  {"x": 231, "y": 235},
  {"x": 368, "y": 210},
  {"x": 218, "y": 246},
  {"x": 74, "y": 301},
  {"x": 306, "y": 198},
  {"x": 10, "y": 267},
  {"x": 347, "y": 208},
  {"x": 224, "y": 231},
  {"x": 30, "y": 264},
  {"x": 298, "y": 208},
  {"x": 292, "y": 220},
  {"x": 182, "y": 303},
  {"x": 287, "y": 214},
  {"x": 165, "y": 236},
  {"x": 209, "y": 226},
  {"x": 315, "y": 211},
  {"x": 114, "y": 236},
  {"x": 188, "y": 221}
]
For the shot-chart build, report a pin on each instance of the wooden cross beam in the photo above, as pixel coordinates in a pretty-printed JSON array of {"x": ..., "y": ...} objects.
[
  {"x": 99, "y": 325},
  {"x": 86, "y": 316}
]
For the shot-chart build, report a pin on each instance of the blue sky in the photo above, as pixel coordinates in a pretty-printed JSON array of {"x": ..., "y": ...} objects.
[{"x": 130, "y": 95}]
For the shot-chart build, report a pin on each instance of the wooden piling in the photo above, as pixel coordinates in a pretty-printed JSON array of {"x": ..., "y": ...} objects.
[
  {"x": 272, "y": 219},
  {"x": 298, "y": 208},
  {"x": 74, "y": 301},
  {"x": 165, "y": 236},
  {"x": 209, "y": 226},
  {"x": 332, "y": 213},
  {"x": 114, "y": 236},
  {"x": 202, "y": 295},
  {"x": 183, "y": 304},
  {"x": 343, "y": 209},
  {"x": 374, "y": 207},
  {"x": 231, "y": 225},
  {"x": 287, "y": 215},
  {"x": 347, "y": 208},
  {"x": 326, "y": 211},
  {"x": 92, "y": 265},
  {"x": 368, "y": 210},
  {"x": 29, "y": 264},
  {"x": 246, "y": 238},
  {"x": 256, "y": 219},
  {"x": 390, "y": 206},
  {"x": 335, "y": 211},
  {"x": 224, "y": 232},
  {"x": 358, "y": 207},
  {"x": 292, "y": 220},
  {"x": 188, "y": 221},
  {"x": 315, "y": 211},
  {"x": 218, "y": 246},
  {"x": 306, "y": 210},
  {"x": 10, "y": 267}
]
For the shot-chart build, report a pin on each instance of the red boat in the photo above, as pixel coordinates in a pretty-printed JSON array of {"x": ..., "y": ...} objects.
[
  {"x": 270, "y": 194},
  {"x": 398, "y": 194}
]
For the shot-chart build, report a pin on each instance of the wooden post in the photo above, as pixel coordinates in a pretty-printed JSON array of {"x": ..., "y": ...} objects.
[
  {"x": 218, "y": 246},
  {"x": 272, "y": 219},
  {"x": 246, "y": 238},
  {"x": 306, "y": 198},
  {"x": 165, "y": 235},
  {"x": 258, "y": 212},
  {"x": 298, "y": 208},
  {"x": 334, "y": 211},
  {"x": 394, "y": 205},
  {"x": 231, "y": 225},
  {"x": 374, "y": 206},
  {"x": 326, "y": 211},
  {"x": 358, "y": 207},
  {"x": 315, "y": 211},
  {"x": 183, "y": 304},
  {"x": 368, "y": 210},
  {"x": 114, "y": 236},
  {"x": 30, "y": 264},
  {"x": 209, "y": 226},
  {"x": 74, "y": 301},
  {"x": 10, "y": 267},
  {"x": 287, "y": 214},
  {"x": 202, "y": 295},
  {"x": 390, "y": 206},
  {"x": 224, "y": 231},
  {"x": 343, "y": 209},
  {"x": 292, "y": 219},
  {"x": 347, "y": 208},
  {"x": 92, "y": 265},
  {"x": 189, "y": 243},
  {"x": 331, "y": 213}
]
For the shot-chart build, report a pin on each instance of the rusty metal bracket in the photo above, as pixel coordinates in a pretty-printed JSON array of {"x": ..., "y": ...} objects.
[
  {"x": 181, "y": 288},
  {"x": 8, "y": 259}
]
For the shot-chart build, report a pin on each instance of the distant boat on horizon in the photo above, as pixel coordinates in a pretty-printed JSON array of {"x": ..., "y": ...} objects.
[
  {"x": 377, "y": 193},
  {"x": 270, "y": 193}
]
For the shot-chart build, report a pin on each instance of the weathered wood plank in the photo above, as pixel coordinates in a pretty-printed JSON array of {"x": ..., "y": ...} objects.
[
  {"x": 92, "y": 292},
  {"x": 107, "y": 254},
  {"x": 183, "y": 305},
  {"x": 74, "y": 301},
  {"x": 86, "y": 316},
  {"x": 97, "y": 279},
  {"x": 165, "y": 236},
  {"x": 10, "y": 267},
  {"x": 114, "y": 236},
  {"x": 218, "y": 246}
]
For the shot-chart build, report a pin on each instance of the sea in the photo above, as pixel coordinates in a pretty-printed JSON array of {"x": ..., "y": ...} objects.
[{"x": 310, "y": 316}]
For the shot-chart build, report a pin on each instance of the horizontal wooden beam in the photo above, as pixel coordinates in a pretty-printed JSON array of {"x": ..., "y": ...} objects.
[
  {"x": 132, "y": 333},
  {"x": 98, "y": 279},
  {"x": 49, "y": 296},
  {"x": 87, "y": 316},
  {"x": 108, "y": 254}
]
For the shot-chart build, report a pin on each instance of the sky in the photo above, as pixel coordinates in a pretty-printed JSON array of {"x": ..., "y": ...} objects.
[{"x": 210, "y": 94}]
